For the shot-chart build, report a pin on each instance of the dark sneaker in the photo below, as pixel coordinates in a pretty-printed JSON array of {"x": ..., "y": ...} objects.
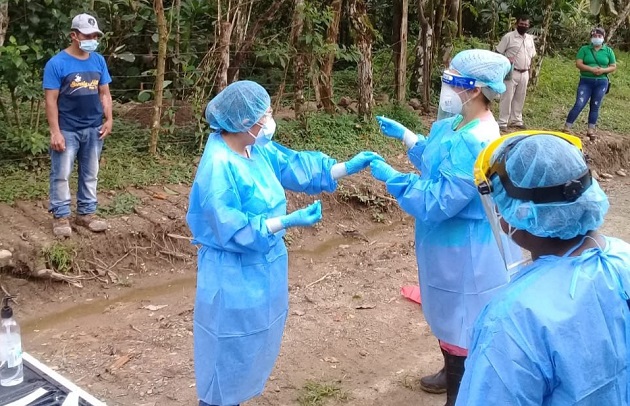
[
  {"x": 91, "y": 222},
  {"x": 61, "y": 227},
  {"x": 435, "y": 383}
]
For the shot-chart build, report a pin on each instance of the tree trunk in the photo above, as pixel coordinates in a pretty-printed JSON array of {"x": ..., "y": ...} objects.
[
  {"x": 240, "y": 26},
  {"x": 364, "y": 37},
  {"x": 543, "y": 44},
  {"x": 223, "y": 51},
  {"x": 440, "y": 14},
  {"x": 326, "y": 80},
  {"x": 245, "y": 48},
  {"x": 493, "y": 29},
  {"x": 416, "y": 74},
  {"x": 401, "y": 15},
  {"x": 178, "y": 33},
  {"x": 4, "y": 20},
  {"x": 314, "y": 74},
  {"x": 449, "y": 31},
  {"x": 460, "y": 19},
  {"x": 422, "y": 50},
  {"x": 158, "y": 6},
  {"x": 242, "y": 18},
  {"x": 15, "y": 104},
  {"x": 299, "y": 74},
  {"x": 177, "y": 60},
  {"x": 299, "y": 61},
  {"x": 428, "y": 49},
  {"x": 621, "y": 18}
]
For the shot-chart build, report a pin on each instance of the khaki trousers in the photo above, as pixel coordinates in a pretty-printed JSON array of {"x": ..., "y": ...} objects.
[{"x": 512, "y": 101}]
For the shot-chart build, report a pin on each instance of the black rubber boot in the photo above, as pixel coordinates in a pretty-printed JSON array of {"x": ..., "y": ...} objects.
[
  {"x": 435, "y": 383},
  {"x": 454, "y": 374}
]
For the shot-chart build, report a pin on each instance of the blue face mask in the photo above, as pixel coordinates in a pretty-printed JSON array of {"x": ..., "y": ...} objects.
[
  {"x": 88, "y": 45},
  {"x": 597, "y": 41}
]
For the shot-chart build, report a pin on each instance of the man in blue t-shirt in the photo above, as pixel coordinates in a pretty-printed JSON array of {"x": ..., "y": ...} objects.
[{"x": 76, "y": 84}]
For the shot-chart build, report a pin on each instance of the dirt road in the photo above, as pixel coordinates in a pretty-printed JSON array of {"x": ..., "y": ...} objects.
[{"x": 130, "y": 342}]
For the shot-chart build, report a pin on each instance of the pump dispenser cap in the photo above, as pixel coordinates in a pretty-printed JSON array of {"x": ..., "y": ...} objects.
[{"x": 7, "y": 311}]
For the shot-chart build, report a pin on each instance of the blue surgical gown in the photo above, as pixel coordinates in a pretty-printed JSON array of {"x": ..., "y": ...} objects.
[
  {"x": 459, "y": 263},
  {"x": 556, "y": 336},
  {"x": 242, "y": 281}
]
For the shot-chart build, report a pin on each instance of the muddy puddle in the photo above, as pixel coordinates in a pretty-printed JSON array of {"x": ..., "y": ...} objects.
[
  {"x": 97, "y": 306},
  {"x": 349, "y": 238},
  {"x": 93, "y": 307}
]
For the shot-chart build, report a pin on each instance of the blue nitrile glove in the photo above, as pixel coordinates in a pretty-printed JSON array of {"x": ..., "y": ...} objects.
[
  {"x": 304, "y": 217},
  {"x": 382, "y": 171},
  {"x": 361, "y": 161},
  {"x": 392, "y": 128}
]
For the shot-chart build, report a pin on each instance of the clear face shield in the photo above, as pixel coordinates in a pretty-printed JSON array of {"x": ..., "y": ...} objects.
[
  {"x": 512, "y": 255},
  {"x": 487, "y": 167},
  {"x": 453, "y": 85}
]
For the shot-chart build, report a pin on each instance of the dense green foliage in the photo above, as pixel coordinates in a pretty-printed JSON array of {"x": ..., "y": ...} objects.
[
  {"x": 127, "y": 163},
  {"x": 39, "y": 28}
]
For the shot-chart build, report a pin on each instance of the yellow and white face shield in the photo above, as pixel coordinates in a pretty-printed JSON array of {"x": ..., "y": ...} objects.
[{"x": 490, "y": 165}]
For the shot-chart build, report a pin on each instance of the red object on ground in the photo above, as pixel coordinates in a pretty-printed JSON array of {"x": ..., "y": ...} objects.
[{"x": 412, "y": 293}]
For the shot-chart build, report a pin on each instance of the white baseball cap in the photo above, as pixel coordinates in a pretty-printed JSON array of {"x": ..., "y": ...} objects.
[{"x": 85, "y": 24}]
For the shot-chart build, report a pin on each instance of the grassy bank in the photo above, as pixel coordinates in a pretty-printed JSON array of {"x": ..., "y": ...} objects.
[
  {"x": 547, "y": 106},
  {"x": 126, "y": 162}
]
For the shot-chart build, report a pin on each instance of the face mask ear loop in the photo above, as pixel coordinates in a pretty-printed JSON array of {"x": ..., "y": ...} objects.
[
  {"x": 467, "y": 99},
  {"x": 511, "y": 231},
  {"x": 252, "y": 135}
]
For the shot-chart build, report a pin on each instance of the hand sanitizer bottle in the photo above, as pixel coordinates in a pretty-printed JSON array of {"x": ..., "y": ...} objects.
[{"x": 11, "y": 372}]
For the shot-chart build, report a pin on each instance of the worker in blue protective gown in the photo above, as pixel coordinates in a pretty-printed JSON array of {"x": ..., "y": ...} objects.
[
  {"x": 460, "y": 265},
  {"x": 237, "y": 215},
  {"x": 559, "y": 333}
]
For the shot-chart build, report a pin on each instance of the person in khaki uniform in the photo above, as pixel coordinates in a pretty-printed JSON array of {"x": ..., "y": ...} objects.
[{"x": 519, "y": 48}]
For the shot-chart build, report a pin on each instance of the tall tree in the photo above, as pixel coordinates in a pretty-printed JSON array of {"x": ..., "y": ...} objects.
[
  {"x": 460, "y": 18},
  {"x": 544, "y": 39},
  {"x": 421, "y": 76},
  {"x": 401, "y": 15},
  {"x": 244, "y": 49},
  {"x": 449, "y": 29},
  {"x": 621, "y": 18},
  {"x": 299, "y": 60},
  {"x": 4, "y": 19},
  {"x": 326, "y": 80},
  {"x": 364, "y": 37},
  {"x": 158, "y": 6},
  {"x": 440, "y": 13},
  {"x": 223, "y": 54},
  {"x": 178, "y": 35}
]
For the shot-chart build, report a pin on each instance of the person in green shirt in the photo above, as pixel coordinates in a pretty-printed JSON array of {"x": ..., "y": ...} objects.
[{"x": 595, "y": 62}]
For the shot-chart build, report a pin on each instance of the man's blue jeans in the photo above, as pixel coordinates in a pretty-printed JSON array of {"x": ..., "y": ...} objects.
[
  {"x": 593, "y": 89},
  {"x": 85, "y": 146}
]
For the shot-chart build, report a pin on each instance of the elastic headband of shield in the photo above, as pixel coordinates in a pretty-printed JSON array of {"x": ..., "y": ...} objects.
[{"x": 486, "y": 170}]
